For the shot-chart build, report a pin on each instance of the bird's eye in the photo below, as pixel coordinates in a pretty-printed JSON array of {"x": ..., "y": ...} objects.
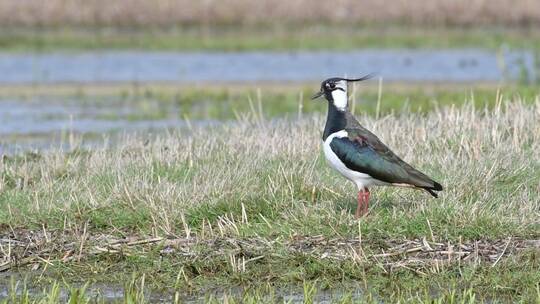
[{"x": 331, "y": 85}]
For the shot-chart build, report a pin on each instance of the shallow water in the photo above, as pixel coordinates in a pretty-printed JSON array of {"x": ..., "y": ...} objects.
[
  {"x": 456, "y": 65},
  {"x": 116, "y": 293},
  {"x": 44, "y": 115},
  {"x": 43, "y": 123}
]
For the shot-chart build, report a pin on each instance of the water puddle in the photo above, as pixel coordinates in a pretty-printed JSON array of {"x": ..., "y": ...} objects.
[
  {"x": 456, "y": 65},
  {"x": 116, "y": 293},
  {"x": 41, "y": 123}
]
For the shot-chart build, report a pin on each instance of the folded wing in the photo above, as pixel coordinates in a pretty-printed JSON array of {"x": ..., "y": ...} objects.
[{"x": 362, "y": 151}]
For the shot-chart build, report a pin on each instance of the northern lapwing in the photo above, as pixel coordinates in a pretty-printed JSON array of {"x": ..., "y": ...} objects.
[{"x": 358, "y": 154}]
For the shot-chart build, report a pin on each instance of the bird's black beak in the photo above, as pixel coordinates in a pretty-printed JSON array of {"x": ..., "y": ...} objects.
[{"x": 319, "y": 94}]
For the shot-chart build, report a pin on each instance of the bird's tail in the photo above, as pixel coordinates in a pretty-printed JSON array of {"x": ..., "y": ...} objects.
[{"x": 431, "y": 190}]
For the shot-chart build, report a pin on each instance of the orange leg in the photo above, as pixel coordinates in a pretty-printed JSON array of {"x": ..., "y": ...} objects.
[{"x": 363, "y": 203}]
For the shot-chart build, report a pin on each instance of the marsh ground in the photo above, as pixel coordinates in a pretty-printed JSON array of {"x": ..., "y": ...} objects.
[
  {"x": 252, "y": 202},
  {"x": 246, "y": 210}
]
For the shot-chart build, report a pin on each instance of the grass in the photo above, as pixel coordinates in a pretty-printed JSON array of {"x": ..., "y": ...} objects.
[
  {"x": 253, "y": 202},
  {"x": 229, "y": 103},
  {"x": 240, "y": 38},
  {"x": 266, "y": 25},
  {"x": 310, "y": 293},
  {"x": 140, "y": 13}
]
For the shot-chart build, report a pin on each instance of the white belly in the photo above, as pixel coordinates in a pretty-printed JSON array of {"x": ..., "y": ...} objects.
[{"x": 360, "y": 179}]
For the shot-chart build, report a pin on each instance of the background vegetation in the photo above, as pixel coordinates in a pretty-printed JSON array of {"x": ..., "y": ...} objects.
[{"x": 238, "y": 205}]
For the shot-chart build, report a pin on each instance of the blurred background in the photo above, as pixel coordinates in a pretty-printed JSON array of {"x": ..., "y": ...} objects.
[{"x": 74, "y": 72}]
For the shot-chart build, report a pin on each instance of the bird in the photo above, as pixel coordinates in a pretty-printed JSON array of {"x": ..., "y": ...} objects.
[{"x": 359, "y": 155}]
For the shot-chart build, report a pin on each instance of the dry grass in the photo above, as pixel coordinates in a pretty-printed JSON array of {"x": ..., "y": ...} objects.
[
  {"x": 39, "y": 248},
  {"x": 486, "y": 159},
  {"x": 253, "y": 200},
  {"x": 168, "y": 12}
]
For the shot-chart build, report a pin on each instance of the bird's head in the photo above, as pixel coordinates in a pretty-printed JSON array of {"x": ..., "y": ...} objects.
[{"x": 335, "y": 90}]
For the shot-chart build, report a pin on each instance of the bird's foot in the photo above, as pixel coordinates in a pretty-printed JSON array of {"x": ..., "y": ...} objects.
[{"x": 363, "y": 203}]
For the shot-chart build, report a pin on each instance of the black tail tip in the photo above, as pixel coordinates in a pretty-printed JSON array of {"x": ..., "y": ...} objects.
[{"x": 437, "y": 186}]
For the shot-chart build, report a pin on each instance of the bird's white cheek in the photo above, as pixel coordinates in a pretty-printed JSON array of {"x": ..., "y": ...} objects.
[{"x": 340, "y": 99}]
